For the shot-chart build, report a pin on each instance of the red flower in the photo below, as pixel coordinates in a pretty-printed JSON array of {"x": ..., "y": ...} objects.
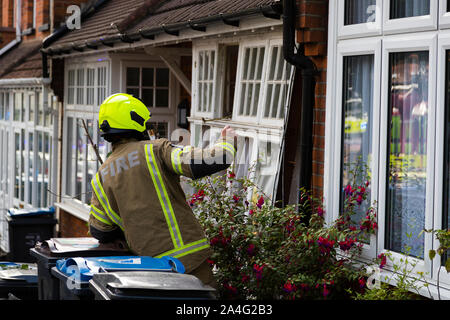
[
  {"x": 289, "y": 287},
  {"x": 320, "y": 211},
  {"x": 211, "y": 262},
  {"x": 348, "y": 190},
  {"x": 325, "y": 244},
  {"x": 236, "y": 199},
  {"x": 230, "y": 288},
  {"x": 359, "y": 200},
  {"x": 362, "y": 282},
  {"x": 258, "y": 270},
  {"x": 260, "y": 202},
  {"x": 347, "y": 244},
  {"x": 326, "y": 292},
  {"x": 251, "y": 250},
  {"x": 231, "y": 175},
  {"x": 383, "y": 259},
  {"x": 251, "y": 212}
]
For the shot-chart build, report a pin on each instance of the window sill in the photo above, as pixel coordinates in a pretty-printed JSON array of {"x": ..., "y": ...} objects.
[{"x": 78, "y": 210}]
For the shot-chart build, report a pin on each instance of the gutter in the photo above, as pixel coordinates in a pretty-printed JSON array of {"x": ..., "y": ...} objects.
[
  {"x": 18, "y": 30},
  {"x": 308, "y": 72},
  {"x": 24, "y": 82}
]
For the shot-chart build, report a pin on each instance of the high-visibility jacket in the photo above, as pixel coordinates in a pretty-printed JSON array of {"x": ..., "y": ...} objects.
[{"x": 137, "y": 189}]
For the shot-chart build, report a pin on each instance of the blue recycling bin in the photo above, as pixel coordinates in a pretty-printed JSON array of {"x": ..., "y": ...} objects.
[
  {"x": 47, "y": 253},
  {"x": 74, "y": 273},
  {"x": 26, "y": 228},
  {"x": 18, "y": 280}
]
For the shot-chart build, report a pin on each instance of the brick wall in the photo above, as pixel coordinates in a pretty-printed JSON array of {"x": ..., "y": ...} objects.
[
  {"x": 71, "y": 227},
  {"x": 60, "y": 10},
  {"x": 7, "y": 13},
  {"x": 312, "y": 31},
  {"x": 42, "y": 18}
]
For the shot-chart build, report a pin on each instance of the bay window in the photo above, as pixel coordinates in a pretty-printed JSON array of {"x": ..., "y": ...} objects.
[
  {"x": 87, "y": 87},
  {"x": 254, "y": 104},
  {"x": 384, "y": 115}
]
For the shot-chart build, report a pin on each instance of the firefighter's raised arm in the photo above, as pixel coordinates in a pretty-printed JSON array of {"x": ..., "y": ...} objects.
[{"x": 196, "y": 163}]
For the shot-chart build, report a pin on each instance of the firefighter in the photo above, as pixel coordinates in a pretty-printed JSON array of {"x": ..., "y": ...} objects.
[{"x": 137, "y": 197}]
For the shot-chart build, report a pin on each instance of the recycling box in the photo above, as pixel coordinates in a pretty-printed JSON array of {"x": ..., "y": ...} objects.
[
  {"x": 74, "y": 273},
  {"x": 147, "y": 285},
  {"x": 18, "y": 280},
  {"x": 47, "y": 253},
  {"x": 26, "y": 228}
]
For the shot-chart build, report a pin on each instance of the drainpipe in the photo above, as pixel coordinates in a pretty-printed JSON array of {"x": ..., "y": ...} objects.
[
  {"x": 18, "y": 38},
  {"x": 308, "y": 71}
]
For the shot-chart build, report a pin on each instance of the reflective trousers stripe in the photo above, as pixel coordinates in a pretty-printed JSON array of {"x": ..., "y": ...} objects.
[
  {"x": 186, "y": 249},
  {"x": 100, "y": 215},
  {"x": 103, "y": 199},
  {"x": 163, "y": 197},
  {"x": 176, "y": 161}
]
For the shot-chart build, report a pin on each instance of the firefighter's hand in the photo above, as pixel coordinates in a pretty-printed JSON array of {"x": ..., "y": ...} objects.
[{"x": 228, "y": 132}]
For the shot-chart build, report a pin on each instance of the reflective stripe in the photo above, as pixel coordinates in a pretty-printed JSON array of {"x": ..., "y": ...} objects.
[
  {"x": 227, "y": 146},
  {"x": 187, "y": 249},
  {"x": 163, "y": 197},
  {"x": 104, "y": 201},
  {"x": 176, "y": 160},
  {"x": 100, "y": 215}
]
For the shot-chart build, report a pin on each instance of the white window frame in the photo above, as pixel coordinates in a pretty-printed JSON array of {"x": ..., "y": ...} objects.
[
  {"x": 85, "y": 65},
  {"x": 170, "y": 110},
  {"x": 238, "y": 91},
  {"x": 444, "y": 16},
  {"x": 410, "y": 24},
  {"x": 215, "y": 82},
  {"x": 361, "y": 29},
  {"x": 284, "y": 100},
  {"x": 345, "y": 49},
  {"x": 444, "y": 46},
  {"x": 407, "y": 43}
]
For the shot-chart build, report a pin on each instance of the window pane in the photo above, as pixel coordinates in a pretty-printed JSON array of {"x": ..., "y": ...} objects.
[
  {"x": 7, "y": 105},
  {"x": 133, "y": 77},
  {"x": 147, "y": 97},
  {"x": 409, "y": 8},
  {"x": 133, "y": 91},
  {"x": 17, "y": 106},
  {"x": 2, "y": 105},
  {"x": 147, "y": 77},
  {"x": 359, "y": 11},
  {"x": 162, "y": 98},
  {"x": 32, "y": 106},
  {"x": 162, "y": 77},
  {"x": 356, "y": 129},
  {"x": 40, "y": 109},
  {"x": 17, "y": 167},
  {"x": 71, "y": 146},
  {"x": 80, "y": 86},
  {"x": 408, "y": 158},
  {"x": 267, "y": 166}
]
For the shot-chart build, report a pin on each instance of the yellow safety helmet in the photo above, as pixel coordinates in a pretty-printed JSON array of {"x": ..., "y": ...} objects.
[{"x": 122, "y": 112}]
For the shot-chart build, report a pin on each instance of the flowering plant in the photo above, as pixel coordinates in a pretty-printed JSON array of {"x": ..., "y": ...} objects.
[{"x": 263, "y": 251}]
